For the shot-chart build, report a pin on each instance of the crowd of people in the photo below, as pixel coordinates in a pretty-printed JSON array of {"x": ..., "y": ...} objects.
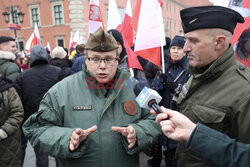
[{"x": 82, "y": 110}]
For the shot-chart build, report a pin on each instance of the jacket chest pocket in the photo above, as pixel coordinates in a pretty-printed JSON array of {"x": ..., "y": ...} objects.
[{"x": 212, "y": 117}]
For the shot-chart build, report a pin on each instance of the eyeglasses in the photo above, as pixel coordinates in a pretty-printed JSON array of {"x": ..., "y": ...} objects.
[{"x": 108, "y": 60}]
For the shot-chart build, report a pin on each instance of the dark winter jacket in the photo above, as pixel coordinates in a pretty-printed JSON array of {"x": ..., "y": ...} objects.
[
  {"x": 36, "y": 81},
  {"x": 8, "y": 69},
  {"x": 65, "y": 64},
  {"x": 11, "y": 117},
  {"x": 77, "y": 66}
]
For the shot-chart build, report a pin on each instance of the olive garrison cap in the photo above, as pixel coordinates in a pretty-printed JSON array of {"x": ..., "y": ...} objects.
[
  {"x": 101, "y": 41},
  {"x": 194, "y": 18}
]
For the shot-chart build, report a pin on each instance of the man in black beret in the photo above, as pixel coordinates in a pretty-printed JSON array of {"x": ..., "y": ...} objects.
[
  {"x": 91, "y": 118},
  {"x": 218, "y": 93},
  {"x": 8, "y": 44}
]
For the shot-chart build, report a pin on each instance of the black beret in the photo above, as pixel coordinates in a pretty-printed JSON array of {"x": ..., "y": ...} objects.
[
  {"x": 101, "y": 41},
  {"x": 178, "y": 41},
  {"x": 6, "y": 39},
  {"x": 209, "y": 17}
]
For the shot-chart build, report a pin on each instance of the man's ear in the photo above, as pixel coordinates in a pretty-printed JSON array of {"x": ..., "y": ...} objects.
[{"x": 220, "y": 42}]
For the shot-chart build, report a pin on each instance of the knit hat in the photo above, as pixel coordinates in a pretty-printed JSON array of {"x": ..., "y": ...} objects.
[
  {"x": 178, "y": 41},
  {"x": 58, "y": 52}
]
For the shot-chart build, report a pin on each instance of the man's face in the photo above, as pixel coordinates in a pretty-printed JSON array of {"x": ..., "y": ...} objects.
[
  {"x": 103, "y": 71},
  {"x": 200, "y": 48},
  {"x": 9, "y": 46}
]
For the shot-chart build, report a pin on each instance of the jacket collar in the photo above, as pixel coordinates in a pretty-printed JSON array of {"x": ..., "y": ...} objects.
[{"x": 7, "y": 55}]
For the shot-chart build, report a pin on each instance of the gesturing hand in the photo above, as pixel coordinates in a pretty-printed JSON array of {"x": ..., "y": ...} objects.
[
  {"x": 128, "y": 132},
  {"x": 79, "y": 135}
]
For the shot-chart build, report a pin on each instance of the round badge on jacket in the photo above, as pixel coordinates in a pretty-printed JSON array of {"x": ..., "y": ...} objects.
[{"x": 130, "y": 107}]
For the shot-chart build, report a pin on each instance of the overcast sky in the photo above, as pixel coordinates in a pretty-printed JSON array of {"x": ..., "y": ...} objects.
[{"x": 220, "y": 2}]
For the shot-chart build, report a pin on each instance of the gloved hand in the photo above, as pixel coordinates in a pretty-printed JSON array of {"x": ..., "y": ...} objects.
[{"x": 171, "y": 86}]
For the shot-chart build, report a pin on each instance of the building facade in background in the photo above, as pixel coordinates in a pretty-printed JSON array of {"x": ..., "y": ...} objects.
[{"x": 57, "y": 18}]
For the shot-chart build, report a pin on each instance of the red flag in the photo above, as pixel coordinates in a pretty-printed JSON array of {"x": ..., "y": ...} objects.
[
  {"x": 133, "y": 61},
  {"x": 136, "y": 14},
  {"x": 128, "y": 31},
  {"x": 240, "y": 32}
]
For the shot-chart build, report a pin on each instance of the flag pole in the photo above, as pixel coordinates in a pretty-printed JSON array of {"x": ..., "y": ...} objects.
[
  {"x": 132, "y": 72},
  {"x": 162, "y": 51}
]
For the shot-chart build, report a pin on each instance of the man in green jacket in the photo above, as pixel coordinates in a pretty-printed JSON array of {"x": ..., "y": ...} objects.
[
  {"x": 215, "y": 148},
  {"x": 91, "y": 118},
  {"x": 218, "y": 92}
]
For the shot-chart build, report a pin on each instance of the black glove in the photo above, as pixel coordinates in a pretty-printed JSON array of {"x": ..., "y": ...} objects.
[{"x": 171, "y": 86}]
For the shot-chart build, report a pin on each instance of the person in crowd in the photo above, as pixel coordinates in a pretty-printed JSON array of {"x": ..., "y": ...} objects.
[
  {"x": 32, "y": 84},
  {"x": 217, "y": 93},
  {"x": 8, "y": 44},
  {"x": 11, "y": 117},
  {"x": 91, "y": 118},
  {"x": 79, "y": 52},
  {"x": 123, "y": 62},
  {"x": 212, "y": 146},
  {"x": 170, "y": 84},
  {"x": 24, "y": 63},
  {"x": 79, "y": 61},
  {"x": 59, "y": 59},
  {"x": 8, "y": 69}
]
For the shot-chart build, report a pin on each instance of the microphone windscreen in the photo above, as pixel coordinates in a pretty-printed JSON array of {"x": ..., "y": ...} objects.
[{"x": 138, "y": 88}]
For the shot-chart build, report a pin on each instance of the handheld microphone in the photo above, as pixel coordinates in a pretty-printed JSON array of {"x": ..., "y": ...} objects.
[{"x": 147, "y": 98}]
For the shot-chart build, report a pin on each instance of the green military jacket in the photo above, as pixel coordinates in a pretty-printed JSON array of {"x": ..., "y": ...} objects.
[
  {"x": 218, "y": 98},
  {"x": 75, "y": 102},
  {"x": 218, "y": 149}
]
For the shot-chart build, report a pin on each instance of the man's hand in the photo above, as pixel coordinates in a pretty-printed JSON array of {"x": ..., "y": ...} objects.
[
  {"x": 177, "y": 127},
  {"x": 79, "y": 135},
  {"x": 128, "y": 132}
]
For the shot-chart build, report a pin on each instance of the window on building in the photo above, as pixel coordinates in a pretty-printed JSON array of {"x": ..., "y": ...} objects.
[
  {"x": 60, "y": 41},
  {"x": 58, "y": 14},
  {"x": 35, "y": 16},
  {"x": 20, "y": 45},
  {"x": 15, "y": 17}
]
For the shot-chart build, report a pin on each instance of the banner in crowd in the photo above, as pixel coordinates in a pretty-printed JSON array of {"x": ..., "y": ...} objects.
[{"x": 95, "y": 16}]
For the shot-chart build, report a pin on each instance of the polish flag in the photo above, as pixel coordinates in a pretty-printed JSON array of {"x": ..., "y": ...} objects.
[
  {"x": 114, "y": 18},
  {"x": 150, "y": 32},
  {"x": 127, "y": 23},
  {"x": 33, "y": 40},
  {"x": 95, "y": 16},
  {"x": 115, "y": 23},
  {"x": 240, "y": 29}
]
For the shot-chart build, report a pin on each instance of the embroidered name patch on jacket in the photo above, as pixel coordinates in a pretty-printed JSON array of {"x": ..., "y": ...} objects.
[{"x": 85, "y": 107}]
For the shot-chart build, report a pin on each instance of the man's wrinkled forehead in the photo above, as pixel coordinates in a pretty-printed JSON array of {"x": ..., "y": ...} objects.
[{"x": 101, "y": 54}]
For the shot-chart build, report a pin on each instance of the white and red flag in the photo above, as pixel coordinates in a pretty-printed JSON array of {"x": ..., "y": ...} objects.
[
  {"x": 95, "y": 16},
  {"x": 150, "y": 32},
  {"x": 114, "y": 18},
  {"x": 125, "y": 29},
  {"x": 33, "y": 40},
  {"x": 242, "y": 31}
]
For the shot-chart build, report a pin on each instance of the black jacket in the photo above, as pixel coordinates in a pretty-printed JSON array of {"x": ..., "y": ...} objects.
[
  {"x": 33, "y": 83},
  {"x": 64, "y": 64}
]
